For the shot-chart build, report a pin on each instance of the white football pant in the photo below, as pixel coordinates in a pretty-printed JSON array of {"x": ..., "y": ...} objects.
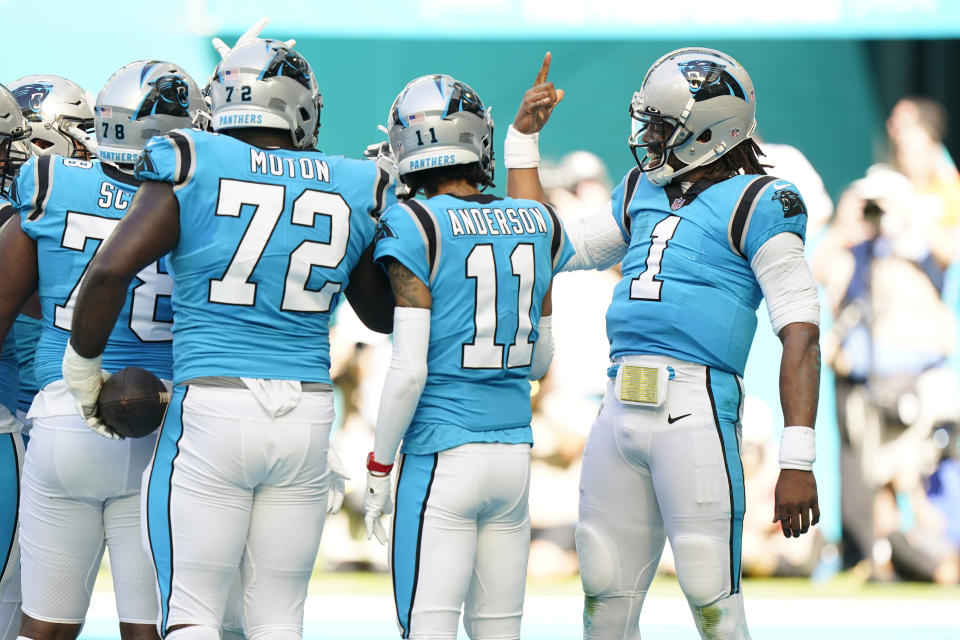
[
  {"x": 80, "y": 492},
  {"x": 228, "y": 487},
  {"x": 460, "y": 539},
  {"x": 651, "y": 473},
  {"x": 11, "y": 463}
]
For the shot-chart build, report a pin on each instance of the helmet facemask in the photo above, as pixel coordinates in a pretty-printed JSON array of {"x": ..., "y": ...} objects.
[
  {"x": 13, "y": 153},
  {"x": 658, "y": 134}
]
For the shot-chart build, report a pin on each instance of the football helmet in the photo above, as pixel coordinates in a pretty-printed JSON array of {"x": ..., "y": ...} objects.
[
  {"x": 14, "y": 131},
  {"x": 264, "y": 83},
  {"x": 140, "y": 100},
  {"x": 437, "y": 121},
  {"x": 694, "y": 104},
  {"x": 60, "y": 114}
]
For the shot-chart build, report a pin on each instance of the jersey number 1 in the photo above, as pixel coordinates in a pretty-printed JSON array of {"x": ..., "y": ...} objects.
[
  {"x": 645, "y": 286},
  {"x": 484, "y": 352}
]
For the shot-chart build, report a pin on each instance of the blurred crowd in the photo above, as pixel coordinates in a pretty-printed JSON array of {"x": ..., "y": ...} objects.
[{"x": 888, "y": 261}]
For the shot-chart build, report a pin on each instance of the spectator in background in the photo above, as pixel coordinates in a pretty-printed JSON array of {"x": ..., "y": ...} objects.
[
  {"x": 916, "y": 128},
  {"x": 883, "y": 261}
]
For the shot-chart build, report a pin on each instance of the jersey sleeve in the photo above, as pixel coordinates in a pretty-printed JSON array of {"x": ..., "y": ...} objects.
[
  {"x": 170, "y": 158},
  {"x": 774, "y": 207},
  {"x": 31, "y": 191},
  {"x": 620, "y": 201},
  {"x": 561, "y": 249},
  {"x": 399, "y": 236}
]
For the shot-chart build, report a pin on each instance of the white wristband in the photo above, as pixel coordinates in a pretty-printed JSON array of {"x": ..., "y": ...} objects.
[
  {"x": 521, "y": 150},
  {"x": 798, "y": 448}
]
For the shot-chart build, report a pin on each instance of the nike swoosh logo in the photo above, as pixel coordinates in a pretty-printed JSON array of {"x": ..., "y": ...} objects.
[
  {"x": 671, "y": 419},
  {"x": 781, "y": 186}
]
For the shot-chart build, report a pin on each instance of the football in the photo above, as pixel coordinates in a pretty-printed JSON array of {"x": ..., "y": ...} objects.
[{"x": 132, "y": 402}]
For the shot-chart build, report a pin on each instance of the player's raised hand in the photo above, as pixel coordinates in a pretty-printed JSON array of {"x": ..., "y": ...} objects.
[
  {"x": 376, "y": 502},
  {"x": 795, "y": 502},
  {"x": 539, "y": 101},
  {"x": 250, "y": 34}
]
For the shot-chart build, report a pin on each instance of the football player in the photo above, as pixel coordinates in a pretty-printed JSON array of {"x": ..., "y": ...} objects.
[
  {"x": 264, "y": 236},
  {"x": 702, "y": 235},
  {"x": 13, "y": 130},
  {"x": 80, "y": 492},
  {"x": 471, "y": 273},
  {"x": 60, "y": 113}
]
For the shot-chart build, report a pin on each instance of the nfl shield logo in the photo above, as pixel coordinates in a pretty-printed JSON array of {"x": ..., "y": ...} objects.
[{"x": 677, "y": 203}]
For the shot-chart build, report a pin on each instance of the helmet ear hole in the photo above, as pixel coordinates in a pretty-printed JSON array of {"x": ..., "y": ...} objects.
[
  {"x": 705, "y": 136},
  {"x": 304, "y": 114}
]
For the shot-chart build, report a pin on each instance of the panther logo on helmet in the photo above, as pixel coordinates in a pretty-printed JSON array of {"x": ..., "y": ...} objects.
[
  {"x": 791, "y": 203},
  {"x": 31, "y": 96},
  {"x": 709, "y": 79},
  {"x": 169, "y": 96}
]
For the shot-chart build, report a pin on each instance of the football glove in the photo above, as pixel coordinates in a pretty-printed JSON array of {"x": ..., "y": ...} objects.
[
  {"x": 84, "y": 378},
  {"x": 376, "y": 502},
  {"x": 338, "y": 482},
  {"x": 382, "y": 154}
]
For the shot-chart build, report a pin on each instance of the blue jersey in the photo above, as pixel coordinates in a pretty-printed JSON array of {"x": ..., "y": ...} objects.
[
  {"x": 268, "y": 238},
  {"x": 28, "y": 335},
  {"x": 69, "y": 207},
  {"x": 9, "y": 372},
  {"x": 9, "y": 377},
  {"x": 27, "y": 331},
  {"x": 488, "y": 263},
  {"x": 687, "y": 289}
]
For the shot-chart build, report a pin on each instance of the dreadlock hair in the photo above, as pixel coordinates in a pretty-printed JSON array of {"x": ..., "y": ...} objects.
[
  {"x": 429, "y": 180},
  {"x": 742, "y": 159}
]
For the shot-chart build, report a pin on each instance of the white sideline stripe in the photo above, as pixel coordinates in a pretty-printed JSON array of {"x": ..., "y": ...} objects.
[{"x": 761, "y": 612}]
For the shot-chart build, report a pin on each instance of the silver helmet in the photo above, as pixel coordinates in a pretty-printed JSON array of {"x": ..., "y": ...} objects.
[
  {"x": 60, "y": 113},
  {"x": 695, "y": 104},
  {"x": 264, "y": 83},
  {"x": 437, "y": 121},
  {"x": 141, "y": 100},
  {"x": 14, "y": 131}
]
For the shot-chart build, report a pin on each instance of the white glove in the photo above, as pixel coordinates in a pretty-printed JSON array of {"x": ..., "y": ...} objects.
[
  {"x": 338, "y": 482},
  {"x": 88, "y": 140},
  {"x": 376, "y": 502},
  {"x": 84, "y": 377},
  {"x": 382, "y": 154},
  {"x": 253, "y": 33}
]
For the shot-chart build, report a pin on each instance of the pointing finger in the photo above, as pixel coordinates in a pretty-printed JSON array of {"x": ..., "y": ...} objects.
[{"x": 544, "y": 69}]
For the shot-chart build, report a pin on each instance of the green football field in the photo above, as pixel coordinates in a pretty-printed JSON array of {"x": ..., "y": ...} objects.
[{"x": 358, "y": 606}]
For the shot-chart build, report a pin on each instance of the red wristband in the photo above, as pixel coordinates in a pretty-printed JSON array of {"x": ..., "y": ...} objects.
[{"x": 375, "y": 467}]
